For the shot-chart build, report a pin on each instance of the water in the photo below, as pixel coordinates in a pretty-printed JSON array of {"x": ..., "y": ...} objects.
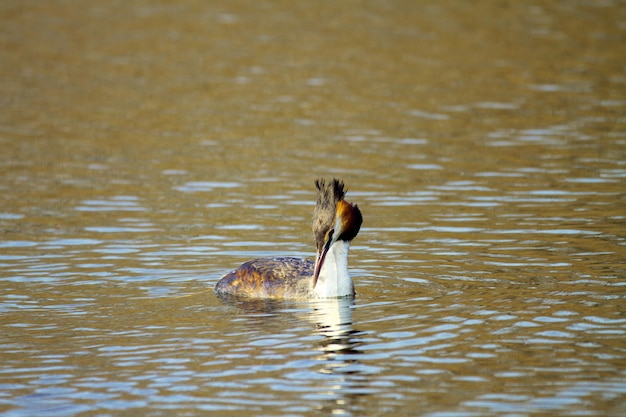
[{"x": 149, "y": 148}]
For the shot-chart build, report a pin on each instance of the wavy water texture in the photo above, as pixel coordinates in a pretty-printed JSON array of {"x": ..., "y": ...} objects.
[{"x": 150, "y": 147}]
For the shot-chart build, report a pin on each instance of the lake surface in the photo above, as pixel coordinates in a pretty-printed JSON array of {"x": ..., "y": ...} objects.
[{"x": 150, "y": 147}]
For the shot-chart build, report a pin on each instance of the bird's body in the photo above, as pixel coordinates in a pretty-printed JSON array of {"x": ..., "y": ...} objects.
[
  {"x": 269, "y": 278},
  {"x": 335, "y": 223}
]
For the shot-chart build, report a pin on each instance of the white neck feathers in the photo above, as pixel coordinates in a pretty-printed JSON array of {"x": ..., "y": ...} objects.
[{"x": 334, "y": 280}]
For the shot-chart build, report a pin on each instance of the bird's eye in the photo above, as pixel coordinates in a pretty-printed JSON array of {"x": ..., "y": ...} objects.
[{"x": 329, "y": 239}]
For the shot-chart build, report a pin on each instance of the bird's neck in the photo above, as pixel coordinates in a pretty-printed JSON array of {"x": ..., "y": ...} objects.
[{"x": 334, "y": 280}]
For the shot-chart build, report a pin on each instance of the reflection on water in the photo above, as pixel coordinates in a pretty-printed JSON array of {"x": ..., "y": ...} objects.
[
  {"x": 347, "y": 376},
  {"x": 334, "y": 379},
  {"x": 148, "y": 149}
]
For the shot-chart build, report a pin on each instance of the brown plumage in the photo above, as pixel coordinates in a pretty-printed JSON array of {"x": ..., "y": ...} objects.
[
  {"x": 269, "y": 278},
  {"x": 325, "y": 208}
]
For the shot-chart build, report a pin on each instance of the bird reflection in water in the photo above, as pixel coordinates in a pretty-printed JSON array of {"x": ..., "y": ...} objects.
[
  {"x": 339, "y": 357},
  {"x": 342, "y": 383}
]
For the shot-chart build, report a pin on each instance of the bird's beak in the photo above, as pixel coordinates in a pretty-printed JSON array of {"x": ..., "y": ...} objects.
[{"x": 319, "y": 261}]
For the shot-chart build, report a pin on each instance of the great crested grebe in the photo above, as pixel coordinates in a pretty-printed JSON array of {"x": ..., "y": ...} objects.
[{"x": 335, "y": 223}]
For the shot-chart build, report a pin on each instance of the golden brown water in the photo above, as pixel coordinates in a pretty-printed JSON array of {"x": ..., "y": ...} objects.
[{"x": 149, "y": 147}]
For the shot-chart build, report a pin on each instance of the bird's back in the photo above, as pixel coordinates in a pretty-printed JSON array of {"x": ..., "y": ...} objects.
[{"x": 282, "y": 277}]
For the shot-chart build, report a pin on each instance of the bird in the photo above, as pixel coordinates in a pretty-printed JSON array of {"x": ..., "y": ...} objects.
[{"x": 336, "y": 223}]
